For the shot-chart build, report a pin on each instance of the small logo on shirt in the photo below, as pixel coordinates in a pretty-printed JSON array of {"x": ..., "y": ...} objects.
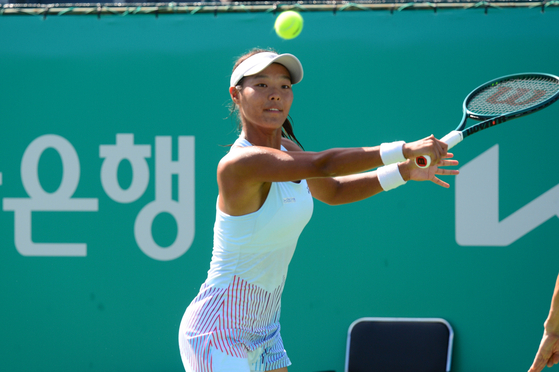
[{"x": 288, "y": 200}]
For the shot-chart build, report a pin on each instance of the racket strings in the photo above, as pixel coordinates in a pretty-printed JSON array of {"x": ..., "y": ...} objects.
[{"x": 512, "y": 95}]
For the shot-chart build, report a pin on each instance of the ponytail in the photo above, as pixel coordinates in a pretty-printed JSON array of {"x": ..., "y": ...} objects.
[{"x": 287, "y": 132}]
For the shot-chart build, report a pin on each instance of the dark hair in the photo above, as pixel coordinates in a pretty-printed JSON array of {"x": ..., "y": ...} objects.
[{"x": 287, "y": 127}]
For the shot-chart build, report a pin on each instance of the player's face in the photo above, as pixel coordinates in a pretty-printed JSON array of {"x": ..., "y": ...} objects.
[{"x": 265, "y": 98}]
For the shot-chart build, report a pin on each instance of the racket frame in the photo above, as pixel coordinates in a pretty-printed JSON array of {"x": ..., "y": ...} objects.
[
  {"x": 489, "y": 121},
  {"x": 457, "y": 135}
]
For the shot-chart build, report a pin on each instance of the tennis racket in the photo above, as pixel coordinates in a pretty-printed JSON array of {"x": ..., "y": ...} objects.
[{"x": 500, "y": 100}]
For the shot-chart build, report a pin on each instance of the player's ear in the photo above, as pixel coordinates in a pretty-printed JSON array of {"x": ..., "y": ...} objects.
[{"x": 234, "y": 92}]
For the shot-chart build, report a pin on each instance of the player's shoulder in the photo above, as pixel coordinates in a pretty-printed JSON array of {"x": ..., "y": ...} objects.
[{"x": 239, "y": 155}]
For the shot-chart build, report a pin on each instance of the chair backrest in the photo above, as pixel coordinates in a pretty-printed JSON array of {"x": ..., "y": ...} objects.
[{"x": 399, "y": 345}]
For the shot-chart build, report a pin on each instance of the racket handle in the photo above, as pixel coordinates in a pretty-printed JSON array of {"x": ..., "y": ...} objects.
[{"x": 451, "y": 139}]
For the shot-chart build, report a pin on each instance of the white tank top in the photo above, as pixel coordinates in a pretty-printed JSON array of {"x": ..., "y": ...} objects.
[{"x": 258, "y": 247}]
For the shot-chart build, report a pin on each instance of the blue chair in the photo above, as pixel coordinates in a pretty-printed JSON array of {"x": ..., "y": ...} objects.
[{"x": 399, "y": 345}]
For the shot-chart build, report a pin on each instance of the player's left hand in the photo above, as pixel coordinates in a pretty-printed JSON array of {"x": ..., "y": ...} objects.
[{"x": 431, "y": 173}]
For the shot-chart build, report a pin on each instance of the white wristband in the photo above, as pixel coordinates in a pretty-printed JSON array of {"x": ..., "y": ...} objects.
[
  {"x": 392, "y": 152},
  {"x": 389, "y": 177}
]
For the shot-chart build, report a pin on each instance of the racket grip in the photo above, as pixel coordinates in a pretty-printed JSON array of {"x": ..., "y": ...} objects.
[{"x": 451, "y": 139}]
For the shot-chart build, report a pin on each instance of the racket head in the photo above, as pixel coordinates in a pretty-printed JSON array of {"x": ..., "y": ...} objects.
[{"x": 511, "y": 96}]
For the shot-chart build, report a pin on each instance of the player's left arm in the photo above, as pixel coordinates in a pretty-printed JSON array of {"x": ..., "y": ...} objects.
[{"x": 345, "y": 189}]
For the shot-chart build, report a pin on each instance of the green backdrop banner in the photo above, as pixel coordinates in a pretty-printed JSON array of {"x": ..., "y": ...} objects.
[{"x": 112, "y": 128}]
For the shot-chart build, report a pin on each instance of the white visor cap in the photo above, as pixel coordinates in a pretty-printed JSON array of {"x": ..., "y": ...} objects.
[{"x": 258, "y": 62}]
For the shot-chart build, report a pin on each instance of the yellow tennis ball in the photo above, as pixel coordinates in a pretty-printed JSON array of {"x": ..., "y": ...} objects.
[{"x": 289, "y": 24}]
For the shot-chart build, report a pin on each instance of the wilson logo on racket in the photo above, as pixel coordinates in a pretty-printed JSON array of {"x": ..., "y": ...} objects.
[
  {"x": 487, "y": 124},
  {"x": 519, "y": 98}
]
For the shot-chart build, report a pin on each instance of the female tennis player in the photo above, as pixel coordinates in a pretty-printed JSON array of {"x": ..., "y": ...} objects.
[{"x": 266, "y": 188}]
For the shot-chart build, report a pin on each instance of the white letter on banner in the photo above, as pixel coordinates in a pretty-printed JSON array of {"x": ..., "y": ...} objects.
[
  {"x": 136, "y": 155},
  {"x": 477, "y": 206},
  {"x": 182, "y": 210},
  {"x": 39, "y": 200}
]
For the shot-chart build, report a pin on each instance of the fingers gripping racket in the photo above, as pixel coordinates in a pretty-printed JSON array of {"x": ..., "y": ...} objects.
[{"x": 500, "y": 100}]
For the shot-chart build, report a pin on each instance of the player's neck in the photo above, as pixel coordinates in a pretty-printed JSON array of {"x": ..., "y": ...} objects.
[{"x": 263, "y": 138}]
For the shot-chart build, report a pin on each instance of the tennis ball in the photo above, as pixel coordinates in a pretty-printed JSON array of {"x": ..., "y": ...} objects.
[{"x": 289, "y": 24}]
